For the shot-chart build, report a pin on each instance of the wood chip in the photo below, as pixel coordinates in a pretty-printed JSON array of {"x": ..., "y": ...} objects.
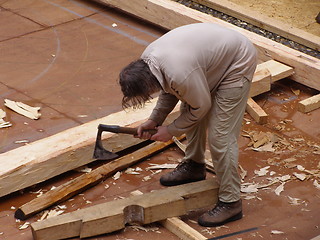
[
  {"x": 316, "y": 184},
  {"x": 23, "y": 109},
  {"x": 276, "y": 232},
  {"x": 162, "y": 166},
  {"x": 24, "y": 226},
  {"x": 116, "y": 176},
  {"x": 252, "y": 188},
  {"x": 262, "y": 171},
  {"x": 300, "y": 176},
  {"x": 279, "y": 189}
]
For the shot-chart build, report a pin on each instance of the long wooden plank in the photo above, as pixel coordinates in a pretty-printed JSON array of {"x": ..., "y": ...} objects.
[
  {"x": 265, "y": 22},
  {"x": 79, "y": 184},
  {"x": 169, "y": 15},
  {"x": 143, "y": 209},
  {"x": 67, "y": 150}
]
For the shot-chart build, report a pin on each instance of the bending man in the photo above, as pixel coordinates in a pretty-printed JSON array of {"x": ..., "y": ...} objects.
[{"x": 209, "y": 69}]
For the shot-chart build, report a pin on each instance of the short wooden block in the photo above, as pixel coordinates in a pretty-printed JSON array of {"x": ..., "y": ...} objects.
[
  {"x": 309, "y": 104},
  {"x": 256, "y": 112}
]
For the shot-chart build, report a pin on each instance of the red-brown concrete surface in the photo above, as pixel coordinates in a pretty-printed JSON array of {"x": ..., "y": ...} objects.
[{"x": 65, "y": 56}]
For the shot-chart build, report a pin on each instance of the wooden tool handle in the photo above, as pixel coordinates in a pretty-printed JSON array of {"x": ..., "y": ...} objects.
[{"x": 126, "y": 130}]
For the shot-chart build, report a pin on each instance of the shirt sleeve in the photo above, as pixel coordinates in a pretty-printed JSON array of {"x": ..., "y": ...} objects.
[
  {"x": 165, "y": 104},
  {"x": 195, "y": 93}
]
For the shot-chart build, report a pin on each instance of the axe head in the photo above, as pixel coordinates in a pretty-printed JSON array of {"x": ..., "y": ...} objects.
[{"x": 100, "y": 153}]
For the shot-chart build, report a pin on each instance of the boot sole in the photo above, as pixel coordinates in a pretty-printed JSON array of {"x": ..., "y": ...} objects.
[
  {"x": 210, "y": 224},
  {"x": 175, "y": 183}
]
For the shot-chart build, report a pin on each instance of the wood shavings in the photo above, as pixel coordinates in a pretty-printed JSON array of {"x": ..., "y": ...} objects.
[
  {"x": 316, "y": 184},
  {"x": 116, "y": 176},
  {"x": 208, "y": 231},
  {"x": 132, "y": 171},
  {"x": 84, "y": 170},
  {"x": 279, "y": 189},
  {"x": 146, "y": 178},
  {"x": 243, "y": 173},
  {"x": 300, "y": 176},
  {"x": 53, "y": 213},
  {"x": 146, "y": 229},
  {"x": 23, "y": 109},
  {"x": 249, "y": 188},
  {"x": 262, "y": 171},
  {"x": 3, "y": 123},
  {"x": 24, "y": 226},
  {"x": 294, "y": 201},
  {"x": 276, "y": 232},
  {"x": 179, "y": 144},
  {"x": 266, "y": 148},
  {"x": 162, "y": 166}
]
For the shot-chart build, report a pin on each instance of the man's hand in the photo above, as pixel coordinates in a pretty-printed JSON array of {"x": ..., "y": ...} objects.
[
  {"x": 162, "y": 135},
  {"x": 149, "y": 124}
]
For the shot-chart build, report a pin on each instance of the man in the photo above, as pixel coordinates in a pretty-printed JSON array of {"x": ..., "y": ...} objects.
[{"x": 209, "y": 69}]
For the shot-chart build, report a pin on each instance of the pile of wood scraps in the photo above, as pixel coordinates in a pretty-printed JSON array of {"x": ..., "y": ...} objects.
[{"x": 20, "y": 108}]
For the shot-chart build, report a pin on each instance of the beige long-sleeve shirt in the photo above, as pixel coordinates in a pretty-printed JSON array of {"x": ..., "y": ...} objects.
[{"x": 191, "y": 62}]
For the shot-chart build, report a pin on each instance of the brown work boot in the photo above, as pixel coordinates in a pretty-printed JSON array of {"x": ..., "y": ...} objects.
[
  {"x": 187, "y": 171},
  {"x": 222, "y": 213}
]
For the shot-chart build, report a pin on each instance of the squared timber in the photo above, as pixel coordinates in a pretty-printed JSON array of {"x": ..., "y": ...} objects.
[{"x": 110, "y": 216}]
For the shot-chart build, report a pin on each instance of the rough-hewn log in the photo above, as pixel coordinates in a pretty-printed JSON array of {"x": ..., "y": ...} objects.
[{"x": 79, "y": 184}]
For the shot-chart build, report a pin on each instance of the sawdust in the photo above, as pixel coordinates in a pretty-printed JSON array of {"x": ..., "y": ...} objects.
[{"x": 299, "y": 14}]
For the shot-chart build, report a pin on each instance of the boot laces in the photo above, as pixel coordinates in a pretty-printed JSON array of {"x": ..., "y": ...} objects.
[
  {"x": 218, "y": 209},
  {"x": 182, "y": 166}
]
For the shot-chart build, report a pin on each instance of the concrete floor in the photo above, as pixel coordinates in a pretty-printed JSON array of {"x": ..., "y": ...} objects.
[{"x": 65, "y": 56}]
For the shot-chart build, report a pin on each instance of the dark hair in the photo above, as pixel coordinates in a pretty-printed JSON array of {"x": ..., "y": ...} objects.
[{"x": 137, "y": 84}]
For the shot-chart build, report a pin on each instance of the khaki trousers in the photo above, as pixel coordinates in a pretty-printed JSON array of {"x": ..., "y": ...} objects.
[{"x": 223, "y": 124}]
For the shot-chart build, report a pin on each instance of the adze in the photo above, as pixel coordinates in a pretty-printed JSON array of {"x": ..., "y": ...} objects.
[{"x": 100, "y": 153}]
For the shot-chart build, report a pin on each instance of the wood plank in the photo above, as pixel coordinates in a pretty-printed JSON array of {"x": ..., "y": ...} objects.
[
  {"x": 309, "y": 104},
  {"x": 265, "y": 22},
  {"x": 277, "y": 70},
  {"x": 169, "y": 15},
  {"x": 79, "y": 184},
  {"x": 67, "y": 150},
  {"x": 256, "y": 112},
  {"x": 181, "y": 229},
  {"x": 112, "y": 216},
  {"x": 261, "y": 82}
]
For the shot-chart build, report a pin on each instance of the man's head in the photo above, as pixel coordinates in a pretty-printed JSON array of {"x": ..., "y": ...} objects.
[{"x": 137, "y": 84}]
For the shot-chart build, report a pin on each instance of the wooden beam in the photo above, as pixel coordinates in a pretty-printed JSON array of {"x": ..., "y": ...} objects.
[
  {"x": 79, "y": 184},
  {"x": 169, "y": 15},
  {"x": 178, "y": 227},
  {"x": 281, "y": 28},
  {"x": 67, "y": 150},
  {"x": 256, "y": 112},
  {"x": 143, "y": 209},
  {"x": 309, "y": 104}
]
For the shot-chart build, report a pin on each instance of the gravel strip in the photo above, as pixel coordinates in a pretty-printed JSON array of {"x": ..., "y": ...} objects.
[{"x": 250, "y": 27}]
